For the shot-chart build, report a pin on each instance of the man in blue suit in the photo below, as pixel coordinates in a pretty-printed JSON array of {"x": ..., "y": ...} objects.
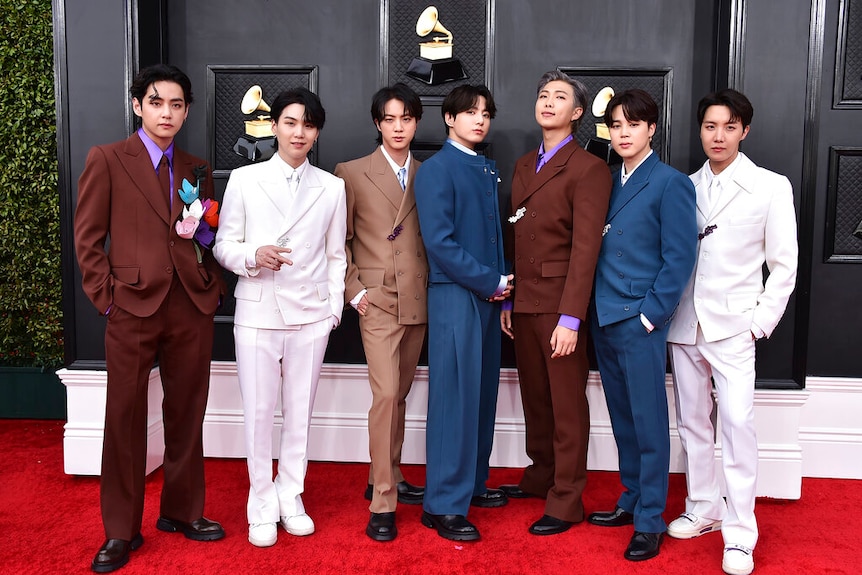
[
  {"x": 456, "y": 198},
  {"x": 646, "y": 258}
]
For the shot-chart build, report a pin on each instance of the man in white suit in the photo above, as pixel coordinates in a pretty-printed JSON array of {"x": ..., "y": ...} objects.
[
  {"x": 282, "y": 230},
  {"x": 746, "y": 218}
]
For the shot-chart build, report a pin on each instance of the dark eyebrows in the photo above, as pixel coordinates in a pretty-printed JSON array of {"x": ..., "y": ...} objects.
[{"x": 155, "y": 95}]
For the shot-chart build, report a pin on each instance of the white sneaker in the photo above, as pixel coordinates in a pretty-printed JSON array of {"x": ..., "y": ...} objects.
[
  {"x": 298, "y": 524},
  {"x": 737, "y": 560},
  {"x": 689, "y": 526},
  {"x": 262, "y": 534}
]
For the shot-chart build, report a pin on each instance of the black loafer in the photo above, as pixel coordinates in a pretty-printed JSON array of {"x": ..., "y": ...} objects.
[
  {"x": 199, "y": 530},
  {"x": 548, "y": 525},
  {"x": 491, "y": 498},
  {"x": 115, "y": 553},
  {"x": 515, "y": 492},
  {"x": 643, "y": 546},
  {"x": 454, "y": 527},
  {"x": 407, "y": 493},
  {"x": 616, "y": 518},
  {"x": 381, "y": 526}
]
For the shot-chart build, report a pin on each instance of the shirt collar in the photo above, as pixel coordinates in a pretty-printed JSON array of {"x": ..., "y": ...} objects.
[
  {"x": 288, "y": 170},
  {"x": 154, "y": 151},
  {"x": 462, "y": 147},
  {"x": 726, "y": 174},
  {"x": 624, "y": 176},
  {"x": 392, "y": 164},
  {"x": 544, "y": 157}
]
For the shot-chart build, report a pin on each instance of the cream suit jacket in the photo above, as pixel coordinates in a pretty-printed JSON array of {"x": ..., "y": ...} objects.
[
  {"x": 258, "y": 210},
  {"x": 755, "y": 223},
  {"x": 395, "y": 272}
]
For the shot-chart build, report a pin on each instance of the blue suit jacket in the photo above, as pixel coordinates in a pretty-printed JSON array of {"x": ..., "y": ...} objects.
[
  {"x": 456, "y": 198},
  {"x": 649, "y": 247}
]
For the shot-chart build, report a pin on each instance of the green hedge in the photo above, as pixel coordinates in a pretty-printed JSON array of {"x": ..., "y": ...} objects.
[{"x": 31, "y": 321}]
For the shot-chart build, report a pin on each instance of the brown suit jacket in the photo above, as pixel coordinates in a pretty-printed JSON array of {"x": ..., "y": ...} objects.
[
  {"x": 118, "y": 199},
  {"x": 558, "y": 238},
  {"x": 395, "y": 272}
]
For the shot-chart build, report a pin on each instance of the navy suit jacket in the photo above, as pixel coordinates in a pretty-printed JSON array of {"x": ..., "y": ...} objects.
[{"x": 649, "y": 247}]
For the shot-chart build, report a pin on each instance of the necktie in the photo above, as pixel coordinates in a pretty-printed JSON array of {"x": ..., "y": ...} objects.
[
  {"x": 713, "y": 192},
  {"x": 402, "y": 178},
  {"x": 540, "y": 162},
  {"x": 165, "y": 178},
  {"x": 293, "y": 182}
]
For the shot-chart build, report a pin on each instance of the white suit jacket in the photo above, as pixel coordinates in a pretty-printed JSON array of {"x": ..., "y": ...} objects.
[
  {"x": 258, "y": 210},
  {"x": 755, "y": 223}
]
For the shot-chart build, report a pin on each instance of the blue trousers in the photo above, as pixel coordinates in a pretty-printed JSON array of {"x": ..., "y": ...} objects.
[
  {"x": 464, "y": 373},
  {"x": 632, "y": 363}
]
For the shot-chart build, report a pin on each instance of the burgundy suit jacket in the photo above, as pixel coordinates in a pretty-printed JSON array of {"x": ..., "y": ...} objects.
[
  {"x": 120, "y": 202},
  {"x": 557, "y": 240}
]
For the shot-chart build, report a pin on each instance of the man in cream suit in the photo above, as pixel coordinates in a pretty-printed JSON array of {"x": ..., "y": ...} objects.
[
  {"x": 746, "y": 218},
  {"x": 282, "y": 232},
  {"x": 387, "y": 273}
]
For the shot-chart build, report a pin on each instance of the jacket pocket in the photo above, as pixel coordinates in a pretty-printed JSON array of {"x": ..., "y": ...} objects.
[
  {"x": 639, "y": 287},
  {"x": 745, "y": 221},
  {"x": 371, "y": 277},
  {"x": 248, "y": 291},
  {"x": 554, "y": 269},
  {"x": 739, "y": 302},
  {"x": 323, "y": 291},
  {"x": 129, "y": 275}
]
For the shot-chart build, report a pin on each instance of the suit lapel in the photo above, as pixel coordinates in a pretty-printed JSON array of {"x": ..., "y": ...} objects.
[
  {"x": 136, "y": 161},
  {"x": 310, "y": 189},
  {"x": 408, "y": 196},
  {"x": 623, "y": 194},
  {"x": 183, "y": 170},
  {"x": 738, "y": 183},
  {"x": 531, "y": 181},
  {"x": 381, "y": 175}
]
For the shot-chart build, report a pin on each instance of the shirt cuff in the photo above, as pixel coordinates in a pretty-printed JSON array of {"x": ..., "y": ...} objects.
[
  {"x": 358, "y": 298},
  {"x": 569, "y": 322},
  {"x": 758, "y": 333},
  {"x": 504, "y": 281},
  {"x": 647, "y": 324},
  {"x": 507, "y": 305}
]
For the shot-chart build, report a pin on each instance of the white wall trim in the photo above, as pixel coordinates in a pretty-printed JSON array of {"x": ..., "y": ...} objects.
[{"x": 815, "y": 432}]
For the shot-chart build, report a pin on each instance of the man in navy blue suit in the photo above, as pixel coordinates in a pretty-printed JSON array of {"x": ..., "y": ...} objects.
[
  {"x": 456, "y": 198},
  {"x": 646, "y": 258}
]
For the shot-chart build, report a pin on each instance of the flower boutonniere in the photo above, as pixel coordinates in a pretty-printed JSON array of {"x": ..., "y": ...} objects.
[
  {"x": 395, "y": 233},
  {"x": 706, "y": 231},
  {"x": 199, "y": 219},
  {"x": 606, "y": 229},
  {"x": 519, "y": 213}
]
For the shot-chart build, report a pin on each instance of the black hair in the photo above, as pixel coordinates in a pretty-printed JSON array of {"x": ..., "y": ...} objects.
[
  {"x": 314, "y": 112},
  {"x": 637, "y": 106},
  {"x": 160, "y": 73},
  {"x": 401, "y": 92},
  {"x": 464, "y": 97},
  {"x": 740, "y": 107}
]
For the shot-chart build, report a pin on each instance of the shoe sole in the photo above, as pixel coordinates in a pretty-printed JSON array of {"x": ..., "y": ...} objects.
[
  {"x": 297, "y": 532},
  {"x": 492, "y": 504},
  {"x": 381, "y": 537},
  {"x": 692, "y": 534},
  {"x": 731, "y": 571},
  {"x": 134, "y": 545},
  {"x": 449, "y": 535},
  {"x": 262, "y": 542}
]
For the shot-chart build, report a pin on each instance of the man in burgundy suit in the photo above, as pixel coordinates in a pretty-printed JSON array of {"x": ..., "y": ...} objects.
[
  {"x": 559, "y": 201},
  {"x": 160, "y": 291}
]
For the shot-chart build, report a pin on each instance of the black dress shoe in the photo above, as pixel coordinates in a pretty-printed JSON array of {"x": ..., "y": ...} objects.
[
  {"x": 515, "y": 492},
  {"x": 548, "y": 525},
  {"x": 643, "y": 546},
  {"x": 454, "y": 527},
  {"x": 114, "y": 554},
  {"x": 615, "y": 518},
  {"x": 407, "y": 493},
  {"x": 491, "y": 498},
  {"x": 200, "y": 529},
  {"x": 381, "y": 526}
]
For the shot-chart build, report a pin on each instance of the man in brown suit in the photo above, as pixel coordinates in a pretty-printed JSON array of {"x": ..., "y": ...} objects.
[
  {"x": 159, "y": 292},
  {"x": 559, "y": 201},
  {"x": 387, "y": 273}
]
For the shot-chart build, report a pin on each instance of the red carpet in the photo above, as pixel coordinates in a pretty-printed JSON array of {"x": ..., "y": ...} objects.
[{"x": 50, "y": 523}]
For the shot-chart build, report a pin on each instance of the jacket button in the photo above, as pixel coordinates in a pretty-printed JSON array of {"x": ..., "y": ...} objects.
[
  {"x": 168, "y": 269},
  {"x": 532, "y": 260},
  {"x": 626, "y": 308}
]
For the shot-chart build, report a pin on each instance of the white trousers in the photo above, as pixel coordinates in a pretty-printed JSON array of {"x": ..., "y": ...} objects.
[
  {"x": 269, "y": 363},
  {"x": 730, "y": 362}
]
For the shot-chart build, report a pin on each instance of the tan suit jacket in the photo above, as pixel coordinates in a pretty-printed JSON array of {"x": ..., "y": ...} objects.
[{"x": 395, "y": 272}]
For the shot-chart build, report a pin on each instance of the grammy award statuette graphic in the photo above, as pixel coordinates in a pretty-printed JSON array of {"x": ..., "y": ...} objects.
[
  {"x": 600, "y": 145},
  {"x": 435, "y": 64},
  {"x": 257, "y": 143}
]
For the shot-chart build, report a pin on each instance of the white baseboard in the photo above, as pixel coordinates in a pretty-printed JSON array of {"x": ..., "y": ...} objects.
[{"x": 798, "y": 431}]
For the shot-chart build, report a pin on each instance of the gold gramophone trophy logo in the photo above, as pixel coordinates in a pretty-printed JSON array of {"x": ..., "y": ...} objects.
[
  {"x": 600, "y": 145},
  {"x": 435, "y": 64},
  {"x": 257, "y": 143}
]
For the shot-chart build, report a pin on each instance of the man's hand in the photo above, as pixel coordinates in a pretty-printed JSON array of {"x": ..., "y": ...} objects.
[
  {"x": 510, "y": 285},
  {"x": 271, "y": 257},
  {"x": 563, "y": 341},
  {"x": 506, "y": 323},
  {"x": 362, "y": 306}
]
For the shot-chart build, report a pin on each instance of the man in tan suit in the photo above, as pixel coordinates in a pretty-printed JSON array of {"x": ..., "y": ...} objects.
[
  {"x": 159, "y": 289},
  {"x": 387, "y": 273},
  {"x": 560, "y": 198}
]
